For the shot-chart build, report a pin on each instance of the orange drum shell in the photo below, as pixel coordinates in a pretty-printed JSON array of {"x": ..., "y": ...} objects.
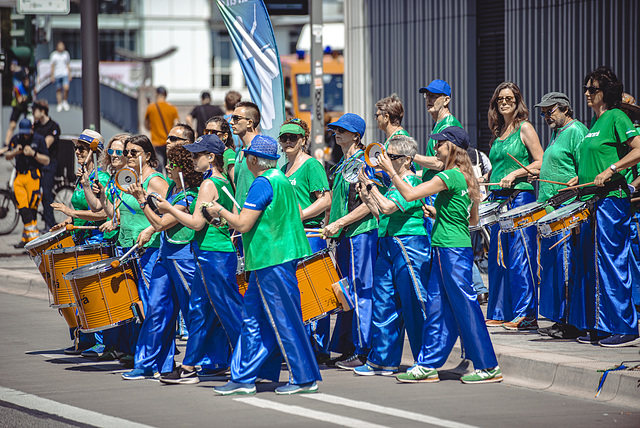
[
  {"x": 70, "y": 317},
  {"x": 42, "y": 261},
  {"x": 105, "y": 299},
  {"x": 526, "y": 220},
  {"x": 568, "y": 222}
]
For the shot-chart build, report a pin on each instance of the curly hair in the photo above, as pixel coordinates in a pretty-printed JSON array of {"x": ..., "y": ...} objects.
[
  {"x": 224, "y": 127},
  {"x": 105, "y": 158},
  {"x": 496, "y": 121},
  {"x": 181, "y": 157},
  {"x": 461, "y": 160},
  {"x": 612, "y": 87},
  {"x": 144, "y": 142},
  {"x": 305, "y": 126}
]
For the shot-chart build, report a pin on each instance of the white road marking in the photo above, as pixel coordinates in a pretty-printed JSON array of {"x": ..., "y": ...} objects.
[
  {"x": 308, "y": 413},
  {"x": 65, "y": 411},
  {"x": 363, "y": 405}
]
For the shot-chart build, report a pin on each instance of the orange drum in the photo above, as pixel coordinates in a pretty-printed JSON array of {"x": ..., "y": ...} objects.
[
  {"x": 107, "y": 296},
  {"x": 63, "y": 260},
  {"x": 70, "y": 316},
  {"x": 60, "y": 238},
  {"x": 563, "y": 219}
]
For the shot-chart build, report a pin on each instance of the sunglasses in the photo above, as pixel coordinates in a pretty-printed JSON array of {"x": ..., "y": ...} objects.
[
  {"x": 80, "y": 148},
  {"x": 289, "y": 138},
  {"x": 132, "y": 152},
  {"x": 508, "y": 100},
  {"x": 378, "y": 114},
  {"x": 548, "y": 113},
  {"x": 212, "y": 131},
  {"x": 590, "y": 89},
  {"x": 173, "y": 138},
  {"x": 395, "y": 157},
  {"x": 171, "y": 165},
  {"x": 112, "y": 152},
  {"x": 236, "y": 118}
]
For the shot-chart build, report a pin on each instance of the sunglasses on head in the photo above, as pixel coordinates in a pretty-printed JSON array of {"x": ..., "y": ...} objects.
[
  {"x": 289, "y": 138},
  {"x": 132, "y": 152},
  {"x": 173, "y": 138},
  {"x": 112, "y": 152}
]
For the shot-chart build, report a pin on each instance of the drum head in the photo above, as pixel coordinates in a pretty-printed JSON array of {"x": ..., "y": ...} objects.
[
  {"x": 523, "y": 209},
  {"x": 487, "y": 207},
  {"x": 91, "y": 269},
  {"x": 125, "y": 178},
  {"x": 78, "y": 248},
  {"x": 563, "y": 212},
  {"x": 371, "y": 154},
  {"x": 352, "y": 169},
  {"x": 47, "y": 237}
]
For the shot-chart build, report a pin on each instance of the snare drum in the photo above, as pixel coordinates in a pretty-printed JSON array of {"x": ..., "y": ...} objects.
[
  {"x": 487, "y": 214},
  {"x": 563, "y": 219},
  {"x": 521, "y": 217},
  {"x": 60, "y": 238},
  {"x": 63, "y": 260},
  {"x": 107, "y": 297},
  {"x": 69, "y": 315}
]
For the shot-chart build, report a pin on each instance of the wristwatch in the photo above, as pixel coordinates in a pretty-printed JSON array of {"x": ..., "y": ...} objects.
[
  {"x": 613, "y": 168},
  {"x": 143, "y": 204}
]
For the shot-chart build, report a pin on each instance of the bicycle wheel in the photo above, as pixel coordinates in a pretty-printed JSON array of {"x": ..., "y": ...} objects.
[
  {"x": 8, "y": 212},
  {"x": 62, "y": 194}
]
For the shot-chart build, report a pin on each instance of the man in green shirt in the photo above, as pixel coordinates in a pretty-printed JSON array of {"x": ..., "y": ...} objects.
[{"x": 245, "y": 121}]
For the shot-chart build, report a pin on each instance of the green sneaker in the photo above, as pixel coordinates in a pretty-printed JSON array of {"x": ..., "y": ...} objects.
[
  {"x": 419, "y": 374},
  {"x": 483, "y": 376}
]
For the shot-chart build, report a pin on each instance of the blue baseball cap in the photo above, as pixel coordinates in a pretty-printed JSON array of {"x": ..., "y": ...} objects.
[
  {"x": 263, "y": 146},
  {"x": 351, "y": 122},
  {"x": 455, "y": 134},
  {"x": 24, "y": 127},
  {"x": 206, "y": 143},
  {"x": 437, "y": 87}
]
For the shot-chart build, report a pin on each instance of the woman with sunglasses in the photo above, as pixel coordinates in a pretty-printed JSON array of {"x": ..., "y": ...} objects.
[
  {"x": 512, "y": 256},
  {"x": 452, "y": 308},
  {"x": 215, "y": 308},
  {"x": 402, "y": 267},
  {"x": 309, "y": 180},
  {"x": 219, "y": 126},
  {"x": 172, "y": 274},
  {"x": 602, "y": 298}
]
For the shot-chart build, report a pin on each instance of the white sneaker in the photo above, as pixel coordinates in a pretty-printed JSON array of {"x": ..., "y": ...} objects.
[
  {"x": 65, "y": 106},
  {"x": 59, "y": 108}
]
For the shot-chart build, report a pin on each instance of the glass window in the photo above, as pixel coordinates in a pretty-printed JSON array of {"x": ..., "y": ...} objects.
[{"x": 333, "y": 92}]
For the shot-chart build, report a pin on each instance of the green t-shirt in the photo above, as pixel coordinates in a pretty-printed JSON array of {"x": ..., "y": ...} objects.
[
  {"x": 79, "y": 202},
  {"x": 502, "y": 164},
  {"x": 604, "y": 145},
  {"x": 451, "y": 228},
  {"x": 448, "y": 121},
  {"x": 306, "y": 180},
  {"x": 212, "y": 238},
  {"x": 229, "y": 158},
  {"x": 408, "y": 220},
  {"x": 560, "y": 160},
  {"x": 242, "y": 178},
  {"x": 400, "y": 131}
]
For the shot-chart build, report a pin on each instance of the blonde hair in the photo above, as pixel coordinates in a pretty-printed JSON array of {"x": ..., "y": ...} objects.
[
  {"x": 462, "y": 161},
  {"x": 105, "y": 159}
]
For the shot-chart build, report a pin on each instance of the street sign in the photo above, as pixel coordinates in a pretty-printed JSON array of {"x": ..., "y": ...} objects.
[{"x": 43, "y": 7}]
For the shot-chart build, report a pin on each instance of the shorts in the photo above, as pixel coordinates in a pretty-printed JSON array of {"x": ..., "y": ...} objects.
[
  {"x": 19, "y": 110},
  {"x": 62, "y": 82}
]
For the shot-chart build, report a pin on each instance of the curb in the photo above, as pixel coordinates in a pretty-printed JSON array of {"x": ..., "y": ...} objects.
[{"x": 26, "y": 284}]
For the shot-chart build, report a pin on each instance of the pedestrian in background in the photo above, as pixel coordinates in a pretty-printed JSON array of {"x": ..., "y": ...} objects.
[
  {"x": 202, "y": 113},
  {"x": 159, "y": 119},
  {"x": 61, "y": 75}
]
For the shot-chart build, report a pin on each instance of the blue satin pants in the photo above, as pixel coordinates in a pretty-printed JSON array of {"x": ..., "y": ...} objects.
[
  {"x": 272, "y": 329},
  {"x": 634, "y": 259},
  {"x": 452, "y": 310},
  {"x": 512, "y": 269},
  {"x": 602, "y": 298},
  {"x": 556, "y": 276},
  {"x": 319, "y": 331},
  {"x": 215, "y": 317},
  {"x": 399, "y": 298},
  {"x": 356, "y": 258},
  {"x": 169, "y": 293}
]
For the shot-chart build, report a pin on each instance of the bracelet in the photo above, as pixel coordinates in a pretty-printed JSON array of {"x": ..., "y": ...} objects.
[
  {"x": 394, "y": 174},
  {"x": 220, "y": 210}
]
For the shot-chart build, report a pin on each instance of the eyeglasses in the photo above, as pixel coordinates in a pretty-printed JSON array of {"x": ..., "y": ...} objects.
[
  {"x": 378, "y": 114},
  {"x": 171, "y": 165},
  {"x": 508, "y": 100},
  {"x": 132, "y": 152},
  {"x": 80, "y": 149},
  {"x": 339, "y": 131},
  {"x": 212, "y": 131},
  {"x": 426, "y": 95},
  {"x": 395, "y": 157},
  {"x": 112, "y": 152},
  {"x": 289, "y": 138},
  {"x": 548, "y": 113},
  {"x": 590, "y": 89},
  {"x": 236, "y": 118},
  {"x": 173, "y": 138}
]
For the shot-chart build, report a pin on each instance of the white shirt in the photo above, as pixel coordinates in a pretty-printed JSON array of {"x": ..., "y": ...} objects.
[{"x": 60, "y": 61}]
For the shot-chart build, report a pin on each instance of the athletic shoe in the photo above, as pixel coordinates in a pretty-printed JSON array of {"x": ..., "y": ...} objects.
[
  {"x": 494, "y": 323},
  {"x": 111, "y": 354},
  {"x": 351, "y": 362},
  {"x": 546, "y": 331},
  {"x": 322, "y": 358},
  {"x": 235, "y": 388},
  {"x": 72, "y": 350},
  {"x": 567, "y": 332},
  {"x": 620, "y": 341},
  {"x": 483, "y": 376},
  {"x": 65, "y": 106},
  {"x": 59, "y": 108},
  {"x": 127, "y": 361},
  {"x": 367, "y": 370},
  {"x": 591, "y": 338},
  {"x": 94, "y": 352},
  {"x": 521, "y": 324},
  {"x": 483, "y": 298},
  {"x": 419, "y": 374},
  {"x": 205, "y": 373},
  {"x": 333, "y": 361},
  {"x": 180, "y": 376},
  {"x": 137, "y": 374},
  {"x": 290, "y": 389}
]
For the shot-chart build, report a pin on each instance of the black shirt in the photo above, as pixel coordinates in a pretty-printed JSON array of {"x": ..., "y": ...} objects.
[
  {"x": 204, "y": 112},
  {"x": 24, "y": 163},
  {"x": 49, "y": 128}
]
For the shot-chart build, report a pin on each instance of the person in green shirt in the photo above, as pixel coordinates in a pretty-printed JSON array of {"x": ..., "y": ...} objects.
[
  {"x": 274, "y": 241},
  {"x": 402, "y": 267},
  {"x": 219, "y": 126},
  {"x": 309, "y": 180},
  {"x": 354, "y": 228},
  {"x": 389, "y": 114},
  {"x": 452, "y": 306},
  {"x": 560, "y": 164},
  {"x": 601, "y": 301},
  {"x": 244, "y": 122}
]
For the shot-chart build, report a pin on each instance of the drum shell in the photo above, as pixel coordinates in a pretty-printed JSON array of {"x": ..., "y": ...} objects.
[
  {"x": 38, "y": 247},
  {"x": 69, "y": 315},
  {"x": 551, "y": 224},
  {"x": 517, "y": 218}
]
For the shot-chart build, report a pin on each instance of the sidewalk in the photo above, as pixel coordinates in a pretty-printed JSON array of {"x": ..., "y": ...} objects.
[{"x": 526, "y": 358}]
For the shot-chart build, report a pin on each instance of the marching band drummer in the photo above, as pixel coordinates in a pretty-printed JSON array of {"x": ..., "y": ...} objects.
[
  {"x": 560, "y": 164},
  {"x": 512, "y": 264},
  {"x": 172, "y": 274},
  {"x": 402, "y": 267},
  {"x": 272, "y": 319},
  {"x": 219, "y": 126},
  {"x": 452, "y": 306},
  {"x": 215, "y": 307},
  {"x": 602, "y": 299},
  {"x": 354, "y": 227},
  {"x": 309, "y": 180}
]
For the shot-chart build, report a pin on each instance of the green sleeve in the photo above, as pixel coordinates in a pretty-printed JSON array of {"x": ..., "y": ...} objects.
[
  {"x": 623, "y": 128},
  {"x": 317, "y": 176}
]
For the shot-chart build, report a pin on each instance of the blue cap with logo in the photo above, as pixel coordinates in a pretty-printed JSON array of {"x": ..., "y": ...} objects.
[
  {"x": 206, "y": 143},
  {"x": 263, "y": 146},
  {"x": 455, "y": 134},
  {"x": 437, "y": 87},
  {"x": 351, "y": 122},
  {"x": 24, "y": 127}
]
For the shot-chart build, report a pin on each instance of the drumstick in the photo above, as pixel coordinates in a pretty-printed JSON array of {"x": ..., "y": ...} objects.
[
  {"x": 237, "y": 235},
  {"x": 525, "y": 168},
  {"x": 560, "y": 242},
  {"x": 118, "y": 262},
  {"x": 313, "y": 230},
  {"x": 184, "y": 191},
  {"x": 635, "y": 199},
  {"x": 489, "y": 184},
  {"x": 225, "y": 190},
  {"x": 577, "y": 186},
  {"x": 140, "y": 161},
  {"x": 72, "y": 227},
  {"x": 315, "y": 235},
  {"x": 553, "y": 182}
]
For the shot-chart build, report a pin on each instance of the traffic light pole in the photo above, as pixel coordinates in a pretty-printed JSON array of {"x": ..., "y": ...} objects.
[
  {"x": 316, "y": 145},
  {"x": 90, "y": 61}
]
